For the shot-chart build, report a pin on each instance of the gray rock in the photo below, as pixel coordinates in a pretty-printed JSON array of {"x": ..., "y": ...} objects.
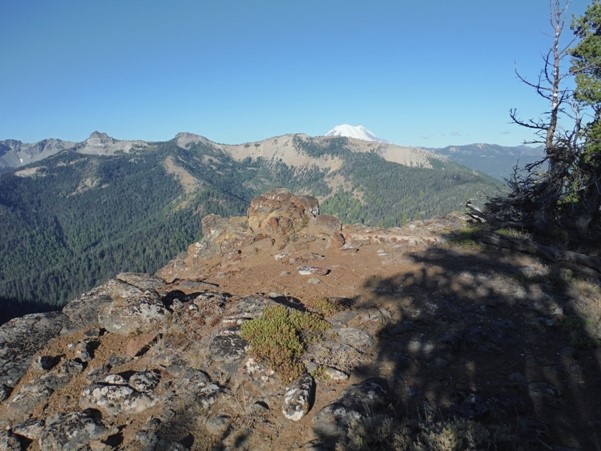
[
  {"x": 192, "y": 387},
  {"x": 71, "y": 431},
  {"x": 132, "y": 310},
  {"x": 357, "y": 338},
  {"x": 249, "y": 307},
  {"x": 21, "y": 338},
  {"x": 115, "y": 379},
  {"x": 313, "y": 270},
  {"x": 31, "y": 429},
  {"x": 36, "y": 392},
  {"x": 334, "y": 374},
  {"x": 8, "y": 442},
  {"x": 228, "y": 346},
  {"x": 82, "y": 312},
  {"x": 4, "y": 392},
  {"x": 343, "y": 349},
  {"x": 299, "y": 398},
  {"x": 333, "y": 421},
  {"x": 116, "y": 399},
  {"x": 144, "y": 381}
]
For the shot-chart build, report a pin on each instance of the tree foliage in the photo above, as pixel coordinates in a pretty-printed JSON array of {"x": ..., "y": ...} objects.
[{"x": 566, "y": 195}]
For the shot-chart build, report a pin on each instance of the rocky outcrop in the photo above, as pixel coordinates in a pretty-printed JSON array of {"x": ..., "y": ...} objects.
[
  {"x": 132, "y": 310},
  {"x": 168, "y": 362},
  {"x": 21, "y": 338},
  {"x": 280, "y": 213}
]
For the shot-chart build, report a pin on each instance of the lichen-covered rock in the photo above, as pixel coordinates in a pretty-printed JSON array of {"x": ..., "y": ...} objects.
[
  {"x": 249, "y": 307},
  {"x": 191, "y": 387},
  {"x": 278, "y": 213},
  {"x": 299, "y": 398},
  {"x": 224, "y": 234},
  {"x": 131, "y": 310},
  {"x": 144, "y": 381},
  {"x": 344, "y": 348},
  {"x": 114, "y": 397},
  {"x": 21, "y": 338},
  {"x": 39, "y": 389},
  {"x": 8, "y": 442},
  {"x": 71, "y": 431},
  {"x": 29, "y": 396},
  {"x": 30, "y": 429},
  {"x": 228, "y": 345},
  {"x": 332, "y": 422},
  {"x": 82, "y": 312}
]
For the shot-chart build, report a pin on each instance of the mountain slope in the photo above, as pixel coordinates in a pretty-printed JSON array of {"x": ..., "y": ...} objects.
[
  {"x": 497, "y": 161},
  {"x": 103, "y": 206}
]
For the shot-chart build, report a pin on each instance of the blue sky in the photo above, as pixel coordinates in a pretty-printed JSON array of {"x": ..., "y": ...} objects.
[{"x": 423, "y": 72}]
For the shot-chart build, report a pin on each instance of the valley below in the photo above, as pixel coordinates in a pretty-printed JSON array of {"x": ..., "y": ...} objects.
[{"x": 74, "y": 214}]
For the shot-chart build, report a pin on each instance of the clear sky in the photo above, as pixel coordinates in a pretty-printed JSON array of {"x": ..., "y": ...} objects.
[{"x": 417, "y": 72}]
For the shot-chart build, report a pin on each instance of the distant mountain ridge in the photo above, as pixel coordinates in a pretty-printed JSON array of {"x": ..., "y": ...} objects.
[
  {"x": 14, "y": 154},
  {"x": 74, "y": 218},
  {"x": 492, "y": 159}
]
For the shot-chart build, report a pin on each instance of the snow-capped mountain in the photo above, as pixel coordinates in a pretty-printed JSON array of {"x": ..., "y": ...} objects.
[{"x": 353, "y": 131}]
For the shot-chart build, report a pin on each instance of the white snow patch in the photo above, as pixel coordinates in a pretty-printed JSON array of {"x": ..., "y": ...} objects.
[{"x": 353, "y": 131}]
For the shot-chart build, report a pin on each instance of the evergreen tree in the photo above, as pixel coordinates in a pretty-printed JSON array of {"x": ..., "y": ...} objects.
[
  {"x": 567, "y": 195},
  {"x": 585, "y": 193}
]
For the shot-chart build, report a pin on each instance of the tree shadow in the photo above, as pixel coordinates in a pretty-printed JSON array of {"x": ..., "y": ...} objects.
[
  {"x": 491, "y": 337},
  {"x": 14, "y": 308}
]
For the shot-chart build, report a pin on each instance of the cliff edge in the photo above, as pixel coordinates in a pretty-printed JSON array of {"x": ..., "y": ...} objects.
[{"x": 286, "y": 329}]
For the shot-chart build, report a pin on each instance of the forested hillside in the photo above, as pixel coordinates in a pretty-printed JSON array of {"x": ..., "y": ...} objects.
[{"x": 73, "y": 220}]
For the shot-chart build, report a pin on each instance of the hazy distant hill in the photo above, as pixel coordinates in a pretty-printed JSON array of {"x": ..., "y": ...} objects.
[
  {"x": 95, "y": 208},
  {"x": 492, "y": 159}
]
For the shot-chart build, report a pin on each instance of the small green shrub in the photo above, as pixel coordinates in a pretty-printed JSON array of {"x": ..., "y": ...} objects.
[
  {"x": 466, "y": 238},
  {"x": 514, "y": 233},
  {"x": 327, "y": 306},
  {"x": 461, "y": 434},
  {"x": 579, "y": 338},
  {"x": 279, "y": 336}
]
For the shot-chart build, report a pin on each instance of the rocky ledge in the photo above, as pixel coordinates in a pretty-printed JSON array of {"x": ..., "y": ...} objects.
[{"x": 285, "y": 329}]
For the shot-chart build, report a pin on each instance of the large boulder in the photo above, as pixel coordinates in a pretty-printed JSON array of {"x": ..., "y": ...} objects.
[
  {"x": 132, "y": 310},
  {"x": 279, "y": 213},
  {"x": 73, "y": 430},
  {"x": 21, "y": 338}
]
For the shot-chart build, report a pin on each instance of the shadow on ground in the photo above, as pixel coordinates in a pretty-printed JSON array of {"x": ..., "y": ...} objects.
[{"x": 483, "y": 343}]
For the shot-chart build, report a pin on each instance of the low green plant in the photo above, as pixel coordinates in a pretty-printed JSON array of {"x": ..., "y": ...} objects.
[
  {"x": 579, "y": 337},
  {"x": 514, "y": 233},
  {"x": 327, "y": 306},
  {"x": 457, "y": 434},
  {"x": 378, "y": 431},
  {"x": 279, "y": 337},
  {"x": 466, "y": 238}
]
